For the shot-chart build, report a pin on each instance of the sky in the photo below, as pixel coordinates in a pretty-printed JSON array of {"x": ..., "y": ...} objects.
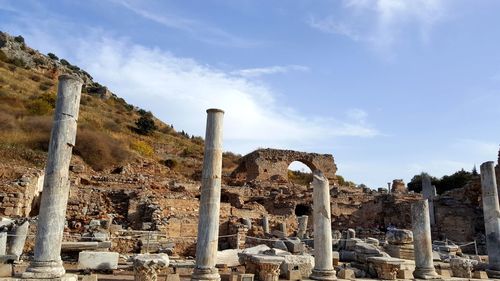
[{"x": 390, "y": 88}]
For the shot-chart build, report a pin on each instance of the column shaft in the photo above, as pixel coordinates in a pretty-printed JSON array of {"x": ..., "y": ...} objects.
[
  {"x": 491, "y": 210},
  {"x": 47, "y": 259},
  {"x": 422, "y": 242},
  {"x": 208, "y": 226},
  {"x": 323, "y": 255}
]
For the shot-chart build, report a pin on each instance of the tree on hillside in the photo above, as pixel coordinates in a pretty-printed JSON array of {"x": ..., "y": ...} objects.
[
  {"x": 416, "y": 182},
  {"x": 145, "y": 124},
  {"x": 456, "y": 180}
]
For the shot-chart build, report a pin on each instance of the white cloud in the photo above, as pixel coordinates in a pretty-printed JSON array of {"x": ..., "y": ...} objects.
[
  {"x": 381, "y": 23},
  {"x": 255, "y": 72}
]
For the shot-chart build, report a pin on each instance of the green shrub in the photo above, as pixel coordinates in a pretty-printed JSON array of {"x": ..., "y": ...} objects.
[
  {"x": 170, "y": 163},
  {"x": 19, "y": 62},
  {"x": 65, "y": 62},
  {"x": 39, "y": 107},
  {"x": 52, "y": 56},
  {"x": 145, "y": 125}
]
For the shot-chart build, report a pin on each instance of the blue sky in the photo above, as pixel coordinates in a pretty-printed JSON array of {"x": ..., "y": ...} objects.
[{"x": 390, "y": 88}]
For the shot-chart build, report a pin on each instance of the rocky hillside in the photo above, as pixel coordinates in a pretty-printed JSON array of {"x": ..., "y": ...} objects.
[{"x": 110, "y": 134}]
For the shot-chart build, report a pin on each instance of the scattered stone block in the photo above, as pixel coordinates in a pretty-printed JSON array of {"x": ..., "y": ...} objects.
[
  {"x": 444, "y": 273},
  {"x": 399, "y": 236},
  {"x": 245, "y": 277},
  {"x": 279, "y": 244},
  {"x": 303, "y": 263},
  {"x": 6, "y": 270},
  {"x": 278, "y": 233},
  {"x": 184, "y": 271},
  {"x": 462, "y": 267},
  {"x": 294, "y": 246},
  {"x": 336, "y": 258},
  {"x": 346, "y": 273},
  {"x": 92, "y": 277},
  {"x": 229, "y": 257},
  {"x": 480, "y": 275},
  {"x": 98, "y": 260},
  {"x": 293, "y": 275},
  {"x": 228, "y": 277},
  {"x": 405, "y": 274},
  {"x": 175, "y": 277}
]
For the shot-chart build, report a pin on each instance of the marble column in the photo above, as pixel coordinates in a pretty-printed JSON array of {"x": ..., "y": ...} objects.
[
  {"x": 247, "y": 222},
  {"x": 208, "y": 226},
  {"x": 302, "y": 221},
  {"x": 429, "y": 192},
  {"x": 47, "y": 259},
  {"x": 16, "y": 242},
  {"x": 3, "y": 243},
  {"x": 323, "y": 253},
  {"x": 265, "y": 224},
  {"x": 491, "y": 210},
  {"x": 283, "y": 228},
  {"x": 422, "y": 242}
]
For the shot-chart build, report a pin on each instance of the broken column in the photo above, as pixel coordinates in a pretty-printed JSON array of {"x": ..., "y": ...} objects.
[
  {"x": 3, "y": 243},
  {"x": 301, "y": 232},
  {"x": 47, "y": 261},
  {"x": 265, "y": 224},
  {"x": 429, "y": 192},
  {"x": 422, "y": 243},
  {"x": 283, "y": 228},
  {"x": 323, "y": 253},
  {"x": 491, "y": 210},
  {"x": 208, "y": 226},
  {"x": 146, "y": 266},
  {"x": 17, "y": 239}
]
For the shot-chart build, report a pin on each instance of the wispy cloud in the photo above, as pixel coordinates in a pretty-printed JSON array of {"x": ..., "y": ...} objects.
[
  {"x": 199, "y": 30},
  {"x": 381, "y": 23},
  {"x": 255, "y": 72}
]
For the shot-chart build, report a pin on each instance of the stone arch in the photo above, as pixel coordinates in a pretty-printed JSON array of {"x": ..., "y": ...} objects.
[{"x": 262, "y": 164}]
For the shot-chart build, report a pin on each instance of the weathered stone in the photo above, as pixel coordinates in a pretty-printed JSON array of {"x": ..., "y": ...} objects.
[
  {"x": 98, "y": 260},
  {"x": 208, "y": 225},
  {"x": 17, "y": 239},
  {"x": 229, "y": 257},
  {"x": 293, "y": 275},
  {"x": 302, "y": 263},
  {"x": 265, "y": 224},
  {"x": 386, "y": 268},
  {"x": 263, "y": 164},
  {"x": 323, "y": 260},
  {"x": 479, "y": 275},
  {"x": 346, "y": 273},
  {"x": 173, "y": 277},
  {"x": 278, "y": 233},
  {"x": 280, "y": 244},
  {"x": 146, "y": 266},
  {"x": 404, "y": 251},
  {"x": 429, "y": 193},
  {"x": 491, "y": 210},
  {"x": 91, "y": 277},
  {"x": 372, "y": 241},
  {"x": 294, "y": 246},
  {"x": 302, "y": 221},
  {"x": 47, "y": 254},
  {"x": 6, "y": 270},
  {"x": 267, "y": 267},
  {"x": 399, "y": 236},
  {"x": 422, "y": 242},
  {"x": 462, "y": 267},
  {"x": 3, "y": 243}
]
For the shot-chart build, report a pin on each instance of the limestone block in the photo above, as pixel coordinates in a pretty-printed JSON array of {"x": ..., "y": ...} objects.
[
  {"x": 98, "y": 260},
  {"x": 462, "y": 267},
  {"x": 294, "y": 246},
  {"x": 91, "y": 277},
  {"x": 336, "y": 258},
  {"x": 346, "y": 273},
  {"x": 444, "y": 273},
  {"x": 5, "y": 270},
  {"x": 256, "y": 250},
  {"x": 278, "y": 233},
  {"x": 480, "y": 275},
  {"x": 175, "y": 277},
  {"x": 293, "y": 275},
  {"x": 372, "y": 241},
  {"x": 405, "y": 274},
  {"x": 347, "y": 256},
  {"x": 245, "y": 277},
  {"x": 227, "y": 277},
  {"x": 303, "y": 263},
  {"x": 399, "y": 236},
  {"x": 279, "y": 244},
  {"x": 229, "y": 257}
]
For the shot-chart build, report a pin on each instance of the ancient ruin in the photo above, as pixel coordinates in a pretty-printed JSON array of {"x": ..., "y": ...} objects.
[{"x": 272, "y": 164}]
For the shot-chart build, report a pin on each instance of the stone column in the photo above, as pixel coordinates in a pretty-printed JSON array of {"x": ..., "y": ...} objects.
[
  {"x": 208, "y": 226},
  {"x": 283, "y": 228},
  {"x": 265, "y": 224},
  {"x": 15, "y": 243},
  {"x": 47, "y": 260},
  {"x": 429, "y": 192},
  {"x": 3, "y": 243},
  {"x": 422, "y": 243},
  {"x": 302, "y": 221},
  {"x": 323, "y": 253},
  {"x": 491, "y": 210},
  {"x": 247, "y": 222}
]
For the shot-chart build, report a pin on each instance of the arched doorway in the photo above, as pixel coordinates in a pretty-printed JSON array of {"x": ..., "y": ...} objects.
[{"x": 299, "y": 173}]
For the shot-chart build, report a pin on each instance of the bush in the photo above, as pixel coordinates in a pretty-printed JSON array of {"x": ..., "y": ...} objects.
[
  {"x": 38, "y": 61},
  {"x": 142, "y": 147},
  {"x": 19, "y": 62},
  {"x": 19, "y": 39},
  {"x": 3, "y": 56},
  {"x": 456, "y": 180},
  {"x": 65, "y": 62},
  {"x": 170, "y": 163},
  {"x": 99, "y": 150},
  {"x": 45, "y": 86},
  {"x": 52, "y": 56},
  {"x": 39, "y": 107},
  {"x": 35, "y": 77},
  {"x": 145, "y": 125}
]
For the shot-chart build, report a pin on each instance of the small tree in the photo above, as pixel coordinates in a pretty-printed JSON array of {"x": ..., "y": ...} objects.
[
  {"x": 52, "y": 56},
  {"x": 145, "y": 125}
]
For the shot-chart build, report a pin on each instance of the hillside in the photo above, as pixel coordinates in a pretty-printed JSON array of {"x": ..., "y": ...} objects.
[{"x": 108, "y": 136}]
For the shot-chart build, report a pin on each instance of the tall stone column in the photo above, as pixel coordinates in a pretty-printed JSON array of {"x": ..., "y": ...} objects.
[
  {"x": 429, "y": 193},
  {"x": 422, "y": 242},
  {"x": 491, "y": 210},
  {"x": 265, "y": 224},
  {"x": 302, "y": 229},
  {"x": 47, "y": 261},
  {"x": 208, "y": 226},
  {"x": 323, "y": 253}
]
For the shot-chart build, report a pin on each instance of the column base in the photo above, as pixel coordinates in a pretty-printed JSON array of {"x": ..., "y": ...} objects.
[
  {"x": 44, "y": 270},
  {"x": 426, "y": 273},
  {"x": 493, "y": 273},
  {"x": 318, "y": 274},
  {"x": 205, "y": 274}
]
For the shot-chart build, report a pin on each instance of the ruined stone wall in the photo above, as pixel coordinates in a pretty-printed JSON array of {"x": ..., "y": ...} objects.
[{"x": 272, "y": 164}]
